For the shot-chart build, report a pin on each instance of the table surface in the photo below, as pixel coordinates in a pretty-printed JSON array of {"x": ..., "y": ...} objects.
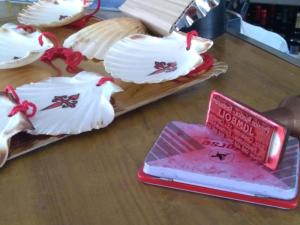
[{"x": 91, "y": 178}]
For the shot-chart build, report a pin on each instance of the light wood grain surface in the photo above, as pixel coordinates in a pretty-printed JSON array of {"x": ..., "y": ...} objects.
[{"x": 91, "y": 179}]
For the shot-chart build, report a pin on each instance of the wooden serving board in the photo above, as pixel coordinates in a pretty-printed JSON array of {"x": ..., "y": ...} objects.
[{"x": 133, "y": 96}]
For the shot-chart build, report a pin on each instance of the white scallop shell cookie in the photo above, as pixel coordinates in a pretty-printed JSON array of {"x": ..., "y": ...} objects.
[
  {"x": 70, "y": 105},
  {"x": 19, "y": 47},
  {"x": 147, "y": 59},
  {"x": 52, "y": 13},
  {"x": 9, "y": 126},
  {"x": 94, "y": 40}
]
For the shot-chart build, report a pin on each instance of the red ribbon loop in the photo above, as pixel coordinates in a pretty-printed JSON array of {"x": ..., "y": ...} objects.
[
  {"x": 72, "y": 59},
  {"x": 208, "y": 63},
  {"x": 52, "y": 38},
  {"x": 84, "y": 20},
  {"x": 23, "y": 108},
  {"x": 103, "y": 80},
  {"x": 10, "y": 90},
  {"x": 20, "y": 107},
  {"x": 189, "y": 38},
  {"x": 26, "y": 28}
]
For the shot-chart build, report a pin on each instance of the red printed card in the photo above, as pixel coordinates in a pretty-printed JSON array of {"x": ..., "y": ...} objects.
[{"x": 250, "y": 132}]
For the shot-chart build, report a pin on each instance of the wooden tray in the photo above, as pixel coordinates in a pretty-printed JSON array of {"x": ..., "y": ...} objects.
[{"x": 134, "y": 95}]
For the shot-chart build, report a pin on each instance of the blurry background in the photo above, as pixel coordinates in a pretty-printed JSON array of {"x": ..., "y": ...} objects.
[{"x": 279, "y": 16}]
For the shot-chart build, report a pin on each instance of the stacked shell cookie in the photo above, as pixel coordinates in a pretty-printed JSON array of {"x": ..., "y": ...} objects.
[
  {"x": 94, "y": 40},
  {"x": 70, "y": 105},
  {"x": 19, "y": 47},
  {"x": 10, "y": 125},
  {"x": 57, "y": 106},
  {"x": 52, "y": 13},
  {"x": 147, "y": 59}
]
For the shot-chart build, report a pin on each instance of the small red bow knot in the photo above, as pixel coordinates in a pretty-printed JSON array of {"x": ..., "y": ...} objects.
[
  {"x": 20, "y": 107},
  {"x": 72, "y": 59},
  {"x": 23, "y": 108},
  {"x": 189, "y": 38},
  {"x": 103, "y": 80},
  {"x": 84, "y": 20},
  {"x": 26, "y": 28}
]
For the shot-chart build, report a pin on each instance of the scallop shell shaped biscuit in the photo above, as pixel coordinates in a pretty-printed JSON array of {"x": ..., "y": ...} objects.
[
  {"x": 70, "y": 105},
  {"x": 146, "y": 59},
  {"x": 19, "y": 48},
  {"x": 52, "y": 13},
  {"x": 94, "y": 40},
  {"x": 10, "y": 126}
]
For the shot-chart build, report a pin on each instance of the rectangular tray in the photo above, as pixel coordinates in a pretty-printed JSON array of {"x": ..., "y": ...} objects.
[{"x": 133, "y": 96}]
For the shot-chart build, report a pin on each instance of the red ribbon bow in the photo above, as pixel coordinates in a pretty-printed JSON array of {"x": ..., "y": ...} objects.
[
  {"x": 189, "y": 38},
  {"x": 84, "y": 20},
  {"x": 72, "y": 59},
  {"x": 20, "y": 107},
  {"x": 103, "y": 80},
  {"x": 26, "y": 28}
]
